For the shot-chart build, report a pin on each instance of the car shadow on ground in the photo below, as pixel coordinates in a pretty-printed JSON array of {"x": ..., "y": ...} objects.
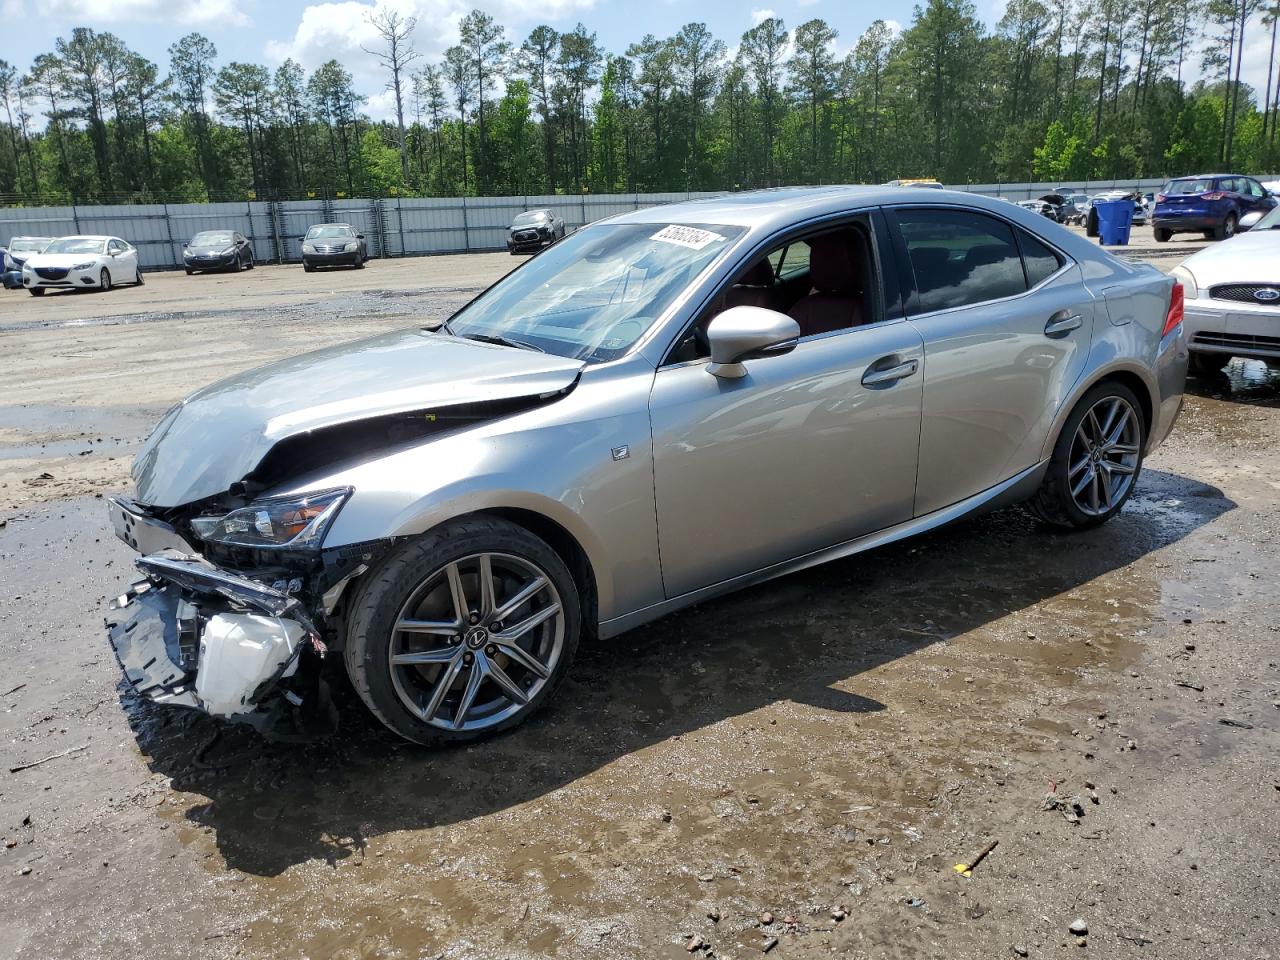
[{"x": 273, "y": 805}]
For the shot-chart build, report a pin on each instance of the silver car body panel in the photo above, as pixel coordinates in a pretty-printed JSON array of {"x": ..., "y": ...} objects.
[
  {"x": 219, "y": 434},
  {"x": 678, "y": 484},
  {"x": 1236, "y": 327}
]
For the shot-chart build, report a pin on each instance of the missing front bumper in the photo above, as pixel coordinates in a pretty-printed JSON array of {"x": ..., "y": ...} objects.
[{"x": 193, "y": 635}]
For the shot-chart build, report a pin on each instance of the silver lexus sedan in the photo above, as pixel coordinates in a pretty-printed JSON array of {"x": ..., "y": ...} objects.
[{"x": 662, "y": 407}]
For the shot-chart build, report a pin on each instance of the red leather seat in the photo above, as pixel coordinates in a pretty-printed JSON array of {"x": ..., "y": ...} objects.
[
  {"x": 836, "y": 273},
  {"x": 756, "y": 288}
]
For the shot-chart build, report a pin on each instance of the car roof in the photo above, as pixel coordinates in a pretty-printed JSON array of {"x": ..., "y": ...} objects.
[
  {"x": 328, "y": 224},
  {"x": 1208, "y": 176},
  {"x": 779, "y": 207}
]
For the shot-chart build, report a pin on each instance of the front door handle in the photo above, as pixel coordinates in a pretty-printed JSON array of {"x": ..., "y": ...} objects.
[
  {"x": 1062, "y": 322},
  {"x": 874, "y": 377}
]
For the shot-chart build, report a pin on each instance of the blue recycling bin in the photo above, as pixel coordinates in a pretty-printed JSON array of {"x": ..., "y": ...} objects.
[{"x": 1115, "y": 217}]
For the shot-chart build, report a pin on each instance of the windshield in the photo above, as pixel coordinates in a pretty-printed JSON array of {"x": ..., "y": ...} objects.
[
  {"x": 594, "y": 294},
  {"x": 76, "y": 245},
  {"x": 1181, "y": 188},
  {"x": 328, "y": 232},
  {"x": 533, "y": 216},
  {"x": 23, "y": 246},
  {"x": 1270, "y": 222},
  {"x": 211, "y": 238}
]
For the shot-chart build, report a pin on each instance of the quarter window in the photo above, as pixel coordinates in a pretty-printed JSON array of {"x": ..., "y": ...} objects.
[
  {"x": 960, "y": 257},
  {"x": 1042, "y": 260}
]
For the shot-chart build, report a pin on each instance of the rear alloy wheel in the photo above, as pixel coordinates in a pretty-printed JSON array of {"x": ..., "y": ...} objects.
[
  {"x": 1228, "y": 228},
  {"x": 1095, "y": 462},
  {"x": 104, "y": 280},
  {"x": 463, "y": 633}
]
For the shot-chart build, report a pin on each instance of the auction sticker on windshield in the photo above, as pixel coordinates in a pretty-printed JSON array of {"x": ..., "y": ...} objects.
[{"x": 691, "y": 237}]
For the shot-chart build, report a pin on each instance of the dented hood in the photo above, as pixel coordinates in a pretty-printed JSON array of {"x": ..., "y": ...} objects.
[{"x": 219, "y": 434}]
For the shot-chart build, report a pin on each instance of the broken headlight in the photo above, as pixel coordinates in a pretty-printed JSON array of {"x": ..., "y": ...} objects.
[{"x": 294, "y": 522}]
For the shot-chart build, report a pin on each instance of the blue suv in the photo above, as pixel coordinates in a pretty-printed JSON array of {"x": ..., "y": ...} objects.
[{"x": 1212, "y": 204}]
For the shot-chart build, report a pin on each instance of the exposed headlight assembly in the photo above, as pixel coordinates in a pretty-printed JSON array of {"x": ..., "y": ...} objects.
[
  {"x": 87, "y": 265},
  {"x": 308, "y": 248},
  {"x": 296, "y": 523},
  {"x": 227, "y": 252},
  {"x": 352, "y": 247}
]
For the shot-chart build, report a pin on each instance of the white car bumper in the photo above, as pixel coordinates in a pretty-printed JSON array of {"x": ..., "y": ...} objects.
[
  {"x": 1233, "y": 328},
  {"x": 58, "y": 279}
]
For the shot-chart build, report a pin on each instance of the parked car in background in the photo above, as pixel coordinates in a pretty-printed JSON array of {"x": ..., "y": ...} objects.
[
  {"x": 666, "y": 406},
  {"x": 1213, "y": 205},
  {"x": 1042, "y": 207},
  {"x": 81, "y": 263},
  {"x": 333, "y": 245},
  {"x": 218, "y": 250},
  {"x": 926, "y": 183},
  {"x": 533, "y": 230},
  {"x": 1233, "y": 298},
  {"x": 15, "y": 254},
  {"x": 1064, "y": 207}
]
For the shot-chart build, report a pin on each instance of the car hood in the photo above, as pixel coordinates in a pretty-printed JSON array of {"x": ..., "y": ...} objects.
[
  {"x": 1252, "y": 257},
  {"x": 64, "y": 260},
  {"x": 218, "y": 435},
  {"x": 214, "y": 250}
]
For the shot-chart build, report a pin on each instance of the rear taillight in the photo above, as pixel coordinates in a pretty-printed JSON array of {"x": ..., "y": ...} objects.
[
  {"x": 1176, "y": 301},
  {"x": 1216, "y": 195},
  {"x": 1161, "y": 198}
]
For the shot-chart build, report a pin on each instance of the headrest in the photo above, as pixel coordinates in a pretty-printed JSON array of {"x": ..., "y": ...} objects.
[{"x": 835, "y": 263}]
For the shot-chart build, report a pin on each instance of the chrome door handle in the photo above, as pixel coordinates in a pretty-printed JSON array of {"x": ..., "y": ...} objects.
[
  {"x": 874, "y": 377},
  {"x": 1059, "y": 324}
]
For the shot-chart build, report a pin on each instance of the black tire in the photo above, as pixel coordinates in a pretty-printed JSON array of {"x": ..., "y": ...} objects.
[
  {"x": 104, "y": 280},
  {"x": 36, "y": 291},
  {"x": 1053, "y": 502},
  {"x": 309, "y": 268},
  {"x": 1163, "y": 235},
  {"x": 1207, "y": 364},
  {"x": 359, "y": 264},
  {"x": 189, "y": 271},
  {"x": 1091, "y": 224},
  {"x": 384, "y": 592},
  {"x": 138, "y": 277},
  {"x": 249, "y": 265},
  {"x": 1228, "y": 228}
]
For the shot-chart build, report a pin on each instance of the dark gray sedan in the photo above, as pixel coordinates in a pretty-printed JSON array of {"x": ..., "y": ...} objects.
[
  {"x": 533, "y": 230},
  {"x": 218, "y": 250},
  {"x": 333, "y": 245}
]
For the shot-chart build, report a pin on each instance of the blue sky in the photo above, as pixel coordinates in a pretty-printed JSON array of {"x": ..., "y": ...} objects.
[{"x": 267, "y": 31}]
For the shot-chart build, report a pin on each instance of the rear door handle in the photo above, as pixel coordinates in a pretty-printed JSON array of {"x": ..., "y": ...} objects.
[
  {"x": 874, "y": 377},
  {"x": 1062, "y": 322}
]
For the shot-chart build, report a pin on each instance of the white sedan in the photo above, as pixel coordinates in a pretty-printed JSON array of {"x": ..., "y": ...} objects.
[
  {"x": 1232, "y": 293},
  {"x": 85, "y": 262}
]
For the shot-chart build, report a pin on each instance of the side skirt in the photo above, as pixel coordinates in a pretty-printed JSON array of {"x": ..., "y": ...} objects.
[{"x": 1014, "y": 490}]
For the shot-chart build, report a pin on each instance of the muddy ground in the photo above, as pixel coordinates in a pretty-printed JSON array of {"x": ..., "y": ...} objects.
[{"x": 796, "y": 769}]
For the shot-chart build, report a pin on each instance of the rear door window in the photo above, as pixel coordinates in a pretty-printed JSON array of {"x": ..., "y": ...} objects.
[{"x": 960, "y": 257}]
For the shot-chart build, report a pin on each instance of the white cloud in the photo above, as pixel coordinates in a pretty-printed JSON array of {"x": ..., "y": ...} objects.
[
  {"x": 109, "y": 12},
  {"x": 760, "y": 16},
  {"x": 339, "y": 29}
]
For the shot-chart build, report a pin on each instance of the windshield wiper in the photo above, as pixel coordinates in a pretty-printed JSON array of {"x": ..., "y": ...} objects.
[{"x": 502, "y": 341}]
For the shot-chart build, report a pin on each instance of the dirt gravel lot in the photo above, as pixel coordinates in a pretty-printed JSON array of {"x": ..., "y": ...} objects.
[{"x": 795, "y": 769}]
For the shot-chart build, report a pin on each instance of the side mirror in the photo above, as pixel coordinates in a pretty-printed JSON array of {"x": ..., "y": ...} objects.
[
  {"x": 747, "y": 333},
  {"x": 359, "y": 236}
]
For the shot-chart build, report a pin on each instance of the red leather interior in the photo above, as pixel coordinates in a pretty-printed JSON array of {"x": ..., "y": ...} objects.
[
  {"x": 755, "y": 289},
  {"x": 837, "y": 273}
]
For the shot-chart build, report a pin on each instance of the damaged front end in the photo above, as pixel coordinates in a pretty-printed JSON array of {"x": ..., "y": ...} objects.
[{"x": 193, "y": 634}]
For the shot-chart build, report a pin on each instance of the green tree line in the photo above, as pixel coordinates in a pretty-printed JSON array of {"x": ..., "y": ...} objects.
[{"x": 1056, "y": 90}]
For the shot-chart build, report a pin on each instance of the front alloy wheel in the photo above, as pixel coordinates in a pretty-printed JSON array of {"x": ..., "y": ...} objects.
[
  {"x": 463, "y": 633},
  {"x": 1095, "y": 462},
  {"x": 104, "y": 280}
]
